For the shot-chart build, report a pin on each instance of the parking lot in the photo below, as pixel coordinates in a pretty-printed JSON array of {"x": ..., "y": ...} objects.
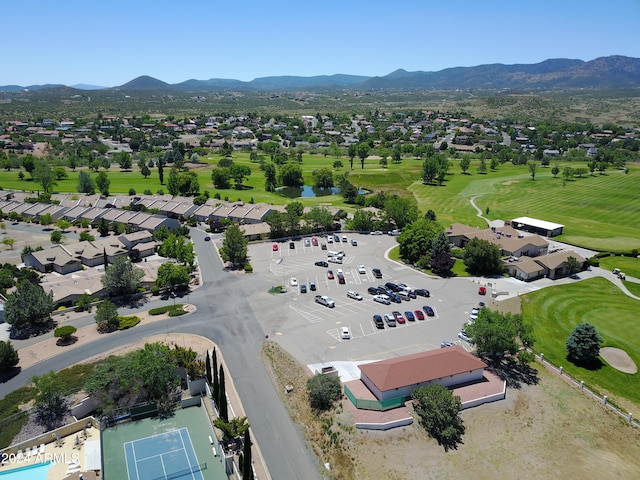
[{"x": 311, "y": 331}]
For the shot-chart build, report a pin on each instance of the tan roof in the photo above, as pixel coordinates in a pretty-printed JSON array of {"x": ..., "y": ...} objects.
[
  {"x": 555, "y": 259},
  {"x": 420, "y": 367},
  {"x": 525, "y": 265}
]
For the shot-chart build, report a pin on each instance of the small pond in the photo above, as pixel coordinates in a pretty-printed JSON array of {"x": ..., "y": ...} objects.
[{"x": 309, "y": 191}]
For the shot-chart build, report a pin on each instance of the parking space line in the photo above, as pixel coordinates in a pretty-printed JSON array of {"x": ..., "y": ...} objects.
[{"x": 309, "y": 316}]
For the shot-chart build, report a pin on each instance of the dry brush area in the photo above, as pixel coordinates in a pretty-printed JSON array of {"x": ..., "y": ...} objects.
[{"x": 547, "y": 430}]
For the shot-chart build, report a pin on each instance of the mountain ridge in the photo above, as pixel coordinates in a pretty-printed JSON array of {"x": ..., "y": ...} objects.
[{"x": 613, "y": 71}]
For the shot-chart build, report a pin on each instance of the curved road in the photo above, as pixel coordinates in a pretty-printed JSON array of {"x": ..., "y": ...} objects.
[{"x": 235, "y": 329}]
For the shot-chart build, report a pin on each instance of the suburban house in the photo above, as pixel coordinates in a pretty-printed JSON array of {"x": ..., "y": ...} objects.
[
  {"x": 54, "y": 259},
  {"x": 523, "y": 268},
  {"x": 67, "y": 289}
]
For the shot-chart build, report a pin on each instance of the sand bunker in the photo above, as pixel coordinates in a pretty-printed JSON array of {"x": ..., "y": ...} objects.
[{"x": 618, "y": 359}]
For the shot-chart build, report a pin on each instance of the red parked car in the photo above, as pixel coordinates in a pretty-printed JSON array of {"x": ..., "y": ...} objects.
[{"x": 482, "y": 291}]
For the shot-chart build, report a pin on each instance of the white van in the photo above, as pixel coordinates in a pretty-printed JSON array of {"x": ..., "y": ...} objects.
[{"x": 335, "y": 260}]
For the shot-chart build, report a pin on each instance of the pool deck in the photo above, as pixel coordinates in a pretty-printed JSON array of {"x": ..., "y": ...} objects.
[{"x": 67, "y": 457}]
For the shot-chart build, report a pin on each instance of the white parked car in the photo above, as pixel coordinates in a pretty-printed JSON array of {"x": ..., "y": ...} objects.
[
  {"x": 463, "y": 336},
  {"x": 345, "y": 333},
  {"x": 382, "y": 299},
  {"x": 324, "y": 300},
  {"x": 353, "y": 294},
  {"x": 362, "y": 269},
  {"x": 294, "y": 282}
]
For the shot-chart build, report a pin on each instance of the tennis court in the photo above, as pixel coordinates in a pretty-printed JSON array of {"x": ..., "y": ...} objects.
[{"x": 168, "y": 455}]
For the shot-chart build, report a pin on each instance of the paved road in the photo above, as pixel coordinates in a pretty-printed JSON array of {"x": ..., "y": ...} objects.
[{"x": 235, "y": 328}]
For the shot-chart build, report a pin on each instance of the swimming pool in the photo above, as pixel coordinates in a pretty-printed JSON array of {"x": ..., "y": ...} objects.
[{"x": 30, "y": 472}]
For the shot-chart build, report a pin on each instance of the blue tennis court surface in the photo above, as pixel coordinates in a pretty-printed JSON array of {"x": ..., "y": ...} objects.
[{"x": 166, "y": 456}]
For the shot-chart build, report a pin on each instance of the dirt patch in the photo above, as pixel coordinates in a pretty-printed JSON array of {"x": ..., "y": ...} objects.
[
  {"x": 619, "y": 359},
  {"x": 510, "y": 182},
  {"x": 539, "y": 431}
]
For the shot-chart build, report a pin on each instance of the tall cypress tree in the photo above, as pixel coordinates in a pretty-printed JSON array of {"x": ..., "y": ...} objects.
[
  {"x": 222, "y": 401},
  {"x": 208, "y": 368},
  {"x": 247, "y": 470},
  {"x": 216, "y": 381}
]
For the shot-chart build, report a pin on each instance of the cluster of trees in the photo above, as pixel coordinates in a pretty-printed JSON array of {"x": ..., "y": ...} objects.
[
  {"x": 147, "y": 374},
  {"x": 8, "y": 356},
  {"x": 438, "y": 411},
  {"x": 122, "y": 278},
  {"x": 424, "y": 243},
  {"x": 495, "y": 333},
  {"x": 227, "y": 171},
  {"x": 317, "y": 219}
]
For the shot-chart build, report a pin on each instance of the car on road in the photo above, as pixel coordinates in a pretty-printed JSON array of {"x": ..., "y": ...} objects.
[
  {"x": 294, "y": 282},
  {"x": 462, "y": 335},
  {"x": 330, "y": 274},
  {"x": 292, "y": 245},
  {"x": 447, "y": 344},
  {"x": 419, "y": 315},
  {"x": 274, "y": 247},
  {"x": 307, "y": 242},
  {"x": 429, "y": 311},
  {"x": 398, "y": 316},
  {"x": 423, "y": 292},
  {"x": 321, "y": 263},
  {"x": 314, "y": 241},
  {"x": 207, "y": 238},
  {"x": 362, "y": 269},
  {"x": 381, "y": 299},
  {"x": 376, "y": 232},
  {"x": 345, "y": 333},
  {"x": 409, "y": 316},
  {"x": 373, "y": 291},
  {"x": 377, "y": 320},
  {"x": 324, "y": 300},
  {"x": 390, "y": 320},
  {"x": 353, "y": 294},
  {"x": 303, "y": 288},
  {"x": 312, "y": 286},
  {"x": 376, "y": 273},
  {"x": 354, "y": 242}
]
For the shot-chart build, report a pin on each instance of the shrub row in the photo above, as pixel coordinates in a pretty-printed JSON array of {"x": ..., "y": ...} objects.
[{"x": 128, "y": 322}]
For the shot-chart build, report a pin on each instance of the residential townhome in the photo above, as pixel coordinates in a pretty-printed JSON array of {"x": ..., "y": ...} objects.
[
  {"x": 56, "y": 211},
  {"x": 224, "y": 211},
  {"x": 74, "y": 213},
  {"x": 257, "y": 213},
  {"x": 154, "y": 222},
  {"x": 130, "y": 240},
  {"x": 555, "y": 264},
  {"x": 54, "y": 259},
  {"x": 67, "y": 289},
  {"x": 113, "y": 214},
  {"x": 93, "y": 215},
  {"x": 33, "y": 211},
  {"x": 203, "y": 212}
]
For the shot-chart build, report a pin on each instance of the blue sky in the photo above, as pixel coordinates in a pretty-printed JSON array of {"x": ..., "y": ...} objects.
[{"x": 108, "y": 43}]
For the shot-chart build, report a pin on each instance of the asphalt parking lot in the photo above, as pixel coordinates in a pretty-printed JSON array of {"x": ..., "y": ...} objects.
[{"x": 311, "y": 332}]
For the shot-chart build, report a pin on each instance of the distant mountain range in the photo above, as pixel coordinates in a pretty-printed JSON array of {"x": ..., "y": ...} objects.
[{"x": 604, "y": 72}]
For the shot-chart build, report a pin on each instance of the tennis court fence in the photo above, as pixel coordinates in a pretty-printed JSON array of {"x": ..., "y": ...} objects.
[{"x": 183, "y": 473}]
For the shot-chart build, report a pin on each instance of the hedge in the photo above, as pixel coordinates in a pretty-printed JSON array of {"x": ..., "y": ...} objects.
[{"x": 128, "y": 322}]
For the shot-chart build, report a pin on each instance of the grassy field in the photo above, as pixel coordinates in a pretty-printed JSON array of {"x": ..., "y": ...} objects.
[
  {"x": 554, "y": 312},
  {"x": 598, "y": 211}
]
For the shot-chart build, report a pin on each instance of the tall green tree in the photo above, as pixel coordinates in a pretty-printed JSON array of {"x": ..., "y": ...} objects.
[
  {"x": 270, "y": 178},
  {"x": 352, "y": 152},
  {"x": 322, "y": 178},
  {"x": 222, "y": 397},
  {"x": 28, "y": 307},
  {"x": 363, "y": 150},
  {"x": 160, "y": 163},
  {"x": 51, "y": 404},
  {"x": 103, "y": 227},
  {"x": 107, "y": 316},
  {"x": 8, "y": 356},
  {"x": 290, "y": 175},
  {"x": 122, "y": 277},
  {"x": 438, "y": 411},
  {"x": 440, "y": 255},
  {"x": 85, "y": 183},
  {"x": 221, "y": 177},
  {"x": 103, "y": 182},
  {"x": 234, "y": 246},
  {"x": 400, "y": 211},
  {"x": 482, "y": 258},
  {"x": 465, "y": 163},
  {"x": 172, "y": 276},
  {"x": 157, "y": 371},
  {"x": 429, "y": 169},
  {"x": 216, "y": 379},
  {"x": 533, "y": 167},
  {"x": 416, "y": 239},
  {"x": 583, "y": 345},
  {"x": 173, "y": 184},
  {"x": 239, "y": 173},
  {"x": 247, "y": 462},
  {"x": 43, "y": 174}
]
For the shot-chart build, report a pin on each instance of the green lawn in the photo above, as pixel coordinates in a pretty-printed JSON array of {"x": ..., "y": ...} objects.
[
  {"x": 599, "y": 211},
  {"x": 555, "y": 311},
  {"x": 628, "y": 265}
]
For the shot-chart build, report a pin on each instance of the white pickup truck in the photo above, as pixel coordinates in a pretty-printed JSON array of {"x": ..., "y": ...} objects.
[{"x": 326, "y": 301}]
